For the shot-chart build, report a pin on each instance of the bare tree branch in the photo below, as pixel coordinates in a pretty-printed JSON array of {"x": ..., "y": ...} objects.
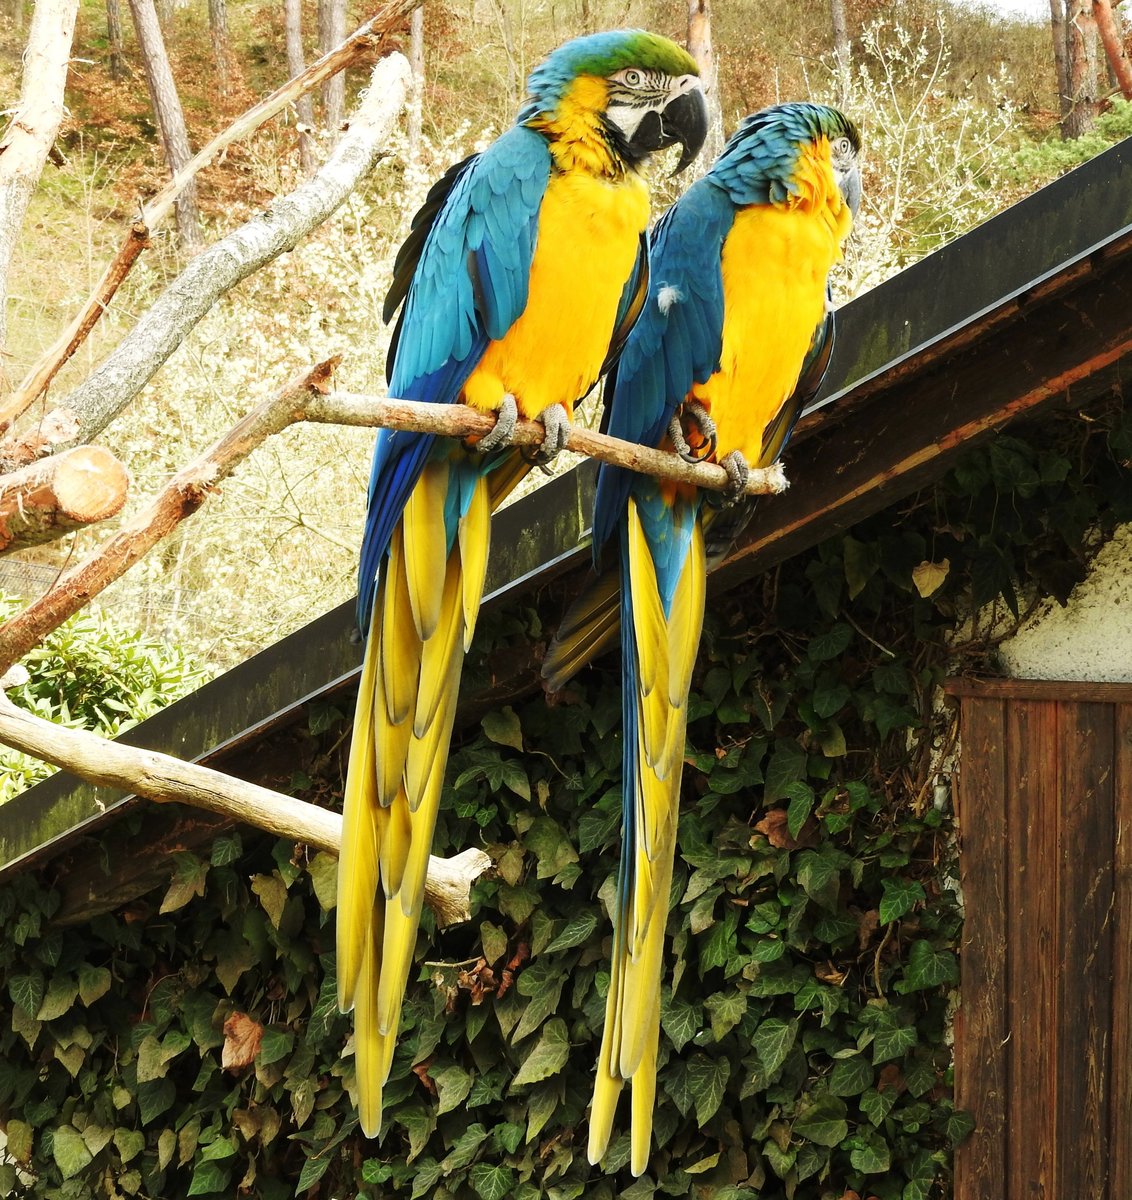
[
  {"x": 360, "y": 43},
  {"x": 31, "y": 134},
  {"x": 136, "y": 359},
  {"x": 165, "y": 779}
]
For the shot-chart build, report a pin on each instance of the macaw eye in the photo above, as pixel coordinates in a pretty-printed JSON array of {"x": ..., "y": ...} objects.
[
  {"x": 843, "y": 147},
  {"x": 633, "y": 78}
]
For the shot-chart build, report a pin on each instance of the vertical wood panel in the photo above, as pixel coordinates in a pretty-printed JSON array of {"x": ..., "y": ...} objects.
[
  {"x": 1120, "y": 1113},
  {"x": 1085, "y": 979},
  {"x": 1033, "y": 956},
  {"x": 980, "y": 1023}
]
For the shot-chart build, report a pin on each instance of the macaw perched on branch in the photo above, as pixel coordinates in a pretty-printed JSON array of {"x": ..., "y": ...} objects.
[
  {"x": 521, "y": 276},
  {"x": 734, "y": 337}
]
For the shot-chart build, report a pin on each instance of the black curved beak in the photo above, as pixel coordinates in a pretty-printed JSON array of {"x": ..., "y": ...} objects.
[
  {"x": 850, "y": 184},
  {"x": 683, "y": 121}
]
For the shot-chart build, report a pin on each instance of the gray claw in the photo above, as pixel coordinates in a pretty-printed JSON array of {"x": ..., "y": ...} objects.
[
  {"x": 557, "y": 426},
  {"x": 504, "y": 429},
  {"x": 680, "y": 442},
  {"x": 696, "y": 411},
  {"x": 738, "y": 471}
]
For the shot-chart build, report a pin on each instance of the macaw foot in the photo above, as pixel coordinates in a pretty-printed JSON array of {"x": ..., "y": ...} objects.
[
  {"x": 556, "y": 422},
  {"x": 738, "y": 472},
  {"x": 701, "y": 418},
  {"x": 504, "y": 430}
]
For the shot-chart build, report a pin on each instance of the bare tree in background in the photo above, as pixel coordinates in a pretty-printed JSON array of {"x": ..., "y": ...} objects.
[
  {"x": 331, "y": 32},
  {"x": 165, "y": 10},
  {"x": 1060, "y": 56},
  {"x": 1110, "y": 34},
  {"x": 699, "y": 47},
  {"x": 416, "y": 94},
  {"x": 222, "y": 55},
  {"x": 841, "y": 48},
  {"x": 293, "y": 20},
  {"x": 116, "y": 61},
  {"x": 35, "y": 124},
  {"x": 1081, "y": 66},
  {"x": 170, "y": 117}
]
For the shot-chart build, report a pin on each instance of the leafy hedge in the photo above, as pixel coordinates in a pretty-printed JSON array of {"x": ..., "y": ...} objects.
[{"x": 190, "y": 1045}]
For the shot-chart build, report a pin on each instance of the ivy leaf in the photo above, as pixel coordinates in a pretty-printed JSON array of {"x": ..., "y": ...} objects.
[
  {"x": 21, "y": 1140},
  {"x": 773, "y": 1041},
  {"x": 726, "y": 1010},
  {"x": 877, "y": 1105},
  {"x": 242, "y": 1039},
  {"x": 802, "y": 800},
  {"x": 830, "y": 644},
  {"x": 547, "y": 840},
  {"x": 276, "y": 1045},
  {"x": 919, "y": 1076},
  {"x": 892, "y": 1041},
  {"x": 128, "y": 1142},
  {"x": 425, "y": 1177},
  {"x": 323, "y": 870},
  {"x": 929, "y": 577},
  {"x": 851, "y": 1076},
  {"x": 822, "y": 1121},
  {"x": 418, "y": 1122},
  {"x": 873, "y": 1156},
  {"x": 28, "y": 991},
  {"x": 464, "y": 1149},
  {"x": 787, "y": 764},
  {"x": 272, "y": 893},
  {"x": 491, "y": 1183},
  {"x": 453, "y": 1084},
  {"x": 94, "y": 983},
  {"x": 900, "y": 897},
  {"x": 820, "y": 877},
  {"x": 544, "y": 1101},
  {"x": 681, "y": 1022},
  {"x": 226, "y": 850},
  {"x": 543, "y": 983},
  {"x": 927, "y": 967},
  {"x": 502, "y": 727},
  {"x": 61, "y": 994},
  {"x": 580, "y": 929},
  {"x": 707, "y": 1079},
  {"x": 209, "y": 1177},
  {"x": 314, "y": 1168},
  {"x": 188, "y": 881},
  {"x": 958, "y": 1125},
  {"x": 548, "y": 1056},
  {"x": 70, "y": 1152}
]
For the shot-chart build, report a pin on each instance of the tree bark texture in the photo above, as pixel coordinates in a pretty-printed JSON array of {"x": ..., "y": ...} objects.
[
  {"x": 34, "y": 126},
  {"x": 222, "y": 56},
  {"x": 115, "y": 62},
  {"x": 417, "y": 63},
  {"x": 48, "y": 499},
  {"x": 1113, "y": 46},
  {"x": 137, "y": 358},
  {"x": 166, "y": 779},
  {"x": 1060, "y": 55},
  {"x": 1081, "y": 33},
  {"x": 331, "y": 33},
  {"x": 170, "y": 117},
  {"x": 293, "y": 21},
  {"x": 699, "y": 47},
  {"x": 841, "y": 48}
]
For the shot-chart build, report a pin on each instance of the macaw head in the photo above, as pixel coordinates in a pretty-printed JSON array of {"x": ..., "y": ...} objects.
[
  {"x": 775, "y": 156},
  {"x": 638, "y": 91}
]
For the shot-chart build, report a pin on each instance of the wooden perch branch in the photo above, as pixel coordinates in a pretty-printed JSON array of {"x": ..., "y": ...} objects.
[
  {"x": 43, "y": 501},
  {"x": 457, "y": 420},
  {"x": 166, "y": 779},
  {"x": 360, "y": 43},
  {"x": 305, "y": 399},
  {"x": 136, "y": 359}
]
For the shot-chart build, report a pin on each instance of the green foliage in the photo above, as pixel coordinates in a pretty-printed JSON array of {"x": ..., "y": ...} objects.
[
  {"x": 1036, "y": 162},
  {"x": 91, "y": 674},
  {"x": 193, "y": 1046}
]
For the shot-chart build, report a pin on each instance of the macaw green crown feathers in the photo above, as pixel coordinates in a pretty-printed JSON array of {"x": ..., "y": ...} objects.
[
  {"x": 757, "y": 164},
  {"x": 602, "y": 54}
]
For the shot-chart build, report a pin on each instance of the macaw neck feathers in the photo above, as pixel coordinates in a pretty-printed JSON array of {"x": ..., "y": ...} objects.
[{"x": 578, "y": 133}]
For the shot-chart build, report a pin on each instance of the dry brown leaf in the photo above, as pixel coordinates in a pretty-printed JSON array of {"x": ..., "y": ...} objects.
[
  {"x": 242, "y": 1037},
  {"x": 775, "y": 829}
]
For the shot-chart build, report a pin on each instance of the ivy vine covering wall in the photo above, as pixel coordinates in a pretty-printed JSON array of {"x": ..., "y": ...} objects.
[{"x": 189, "y": 1044}]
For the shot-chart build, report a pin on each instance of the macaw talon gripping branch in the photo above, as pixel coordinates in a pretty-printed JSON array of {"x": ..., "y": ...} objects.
[
  {"x": 505, "y": 420},
  {"x": 555, "y": 420}
]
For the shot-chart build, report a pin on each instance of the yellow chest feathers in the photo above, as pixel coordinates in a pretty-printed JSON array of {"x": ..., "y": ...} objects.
[{"x": 588, "y": 236}]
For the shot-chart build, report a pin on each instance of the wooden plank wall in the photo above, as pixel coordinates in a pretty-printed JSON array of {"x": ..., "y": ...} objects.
[{"x": 1043, "y": 1035}]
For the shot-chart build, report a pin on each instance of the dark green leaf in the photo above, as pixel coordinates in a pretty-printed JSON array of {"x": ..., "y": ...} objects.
[
  {"x": 490, "y": 1182},
  {"x": 822, "y": 1120}
]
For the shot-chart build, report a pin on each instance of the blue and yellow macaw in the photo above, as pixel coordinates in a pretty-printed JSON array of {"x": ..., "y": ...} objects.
[
  {"x": 734, "y": 336},
  {"x": 521, "y": 275}
]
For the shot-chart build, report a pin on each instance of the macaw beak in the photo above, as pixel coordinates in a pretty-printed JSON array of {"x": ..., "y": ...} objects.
[
  {"x": 850, "y": 184},
  {"x": 683, "y": 121}
]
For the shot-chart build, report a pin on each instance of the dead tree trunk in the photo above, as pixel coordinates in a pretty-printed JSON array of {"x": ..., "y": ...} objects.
[
  {"x": 699, "y": 46},
  {"x": 293, "y": 20},
  {"x": 331, "y": 33},
  {"x": 30, "y": 136},
  {"x": 1114, "y": 49},
  {"x": 221, "y": 45},
  {"x": 416, "y": 95},
  {"x": 1081, "y": 34},
  {"x": 170, "y": 117},
  {"x": 1060, "y": 56}
]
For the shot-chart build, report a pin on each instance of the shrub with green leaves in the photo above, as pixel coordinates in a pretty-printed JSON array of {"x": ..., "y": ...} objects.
[
  {"x": 192, "y": 1045},
  {"x": 92, "y": 674}
]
